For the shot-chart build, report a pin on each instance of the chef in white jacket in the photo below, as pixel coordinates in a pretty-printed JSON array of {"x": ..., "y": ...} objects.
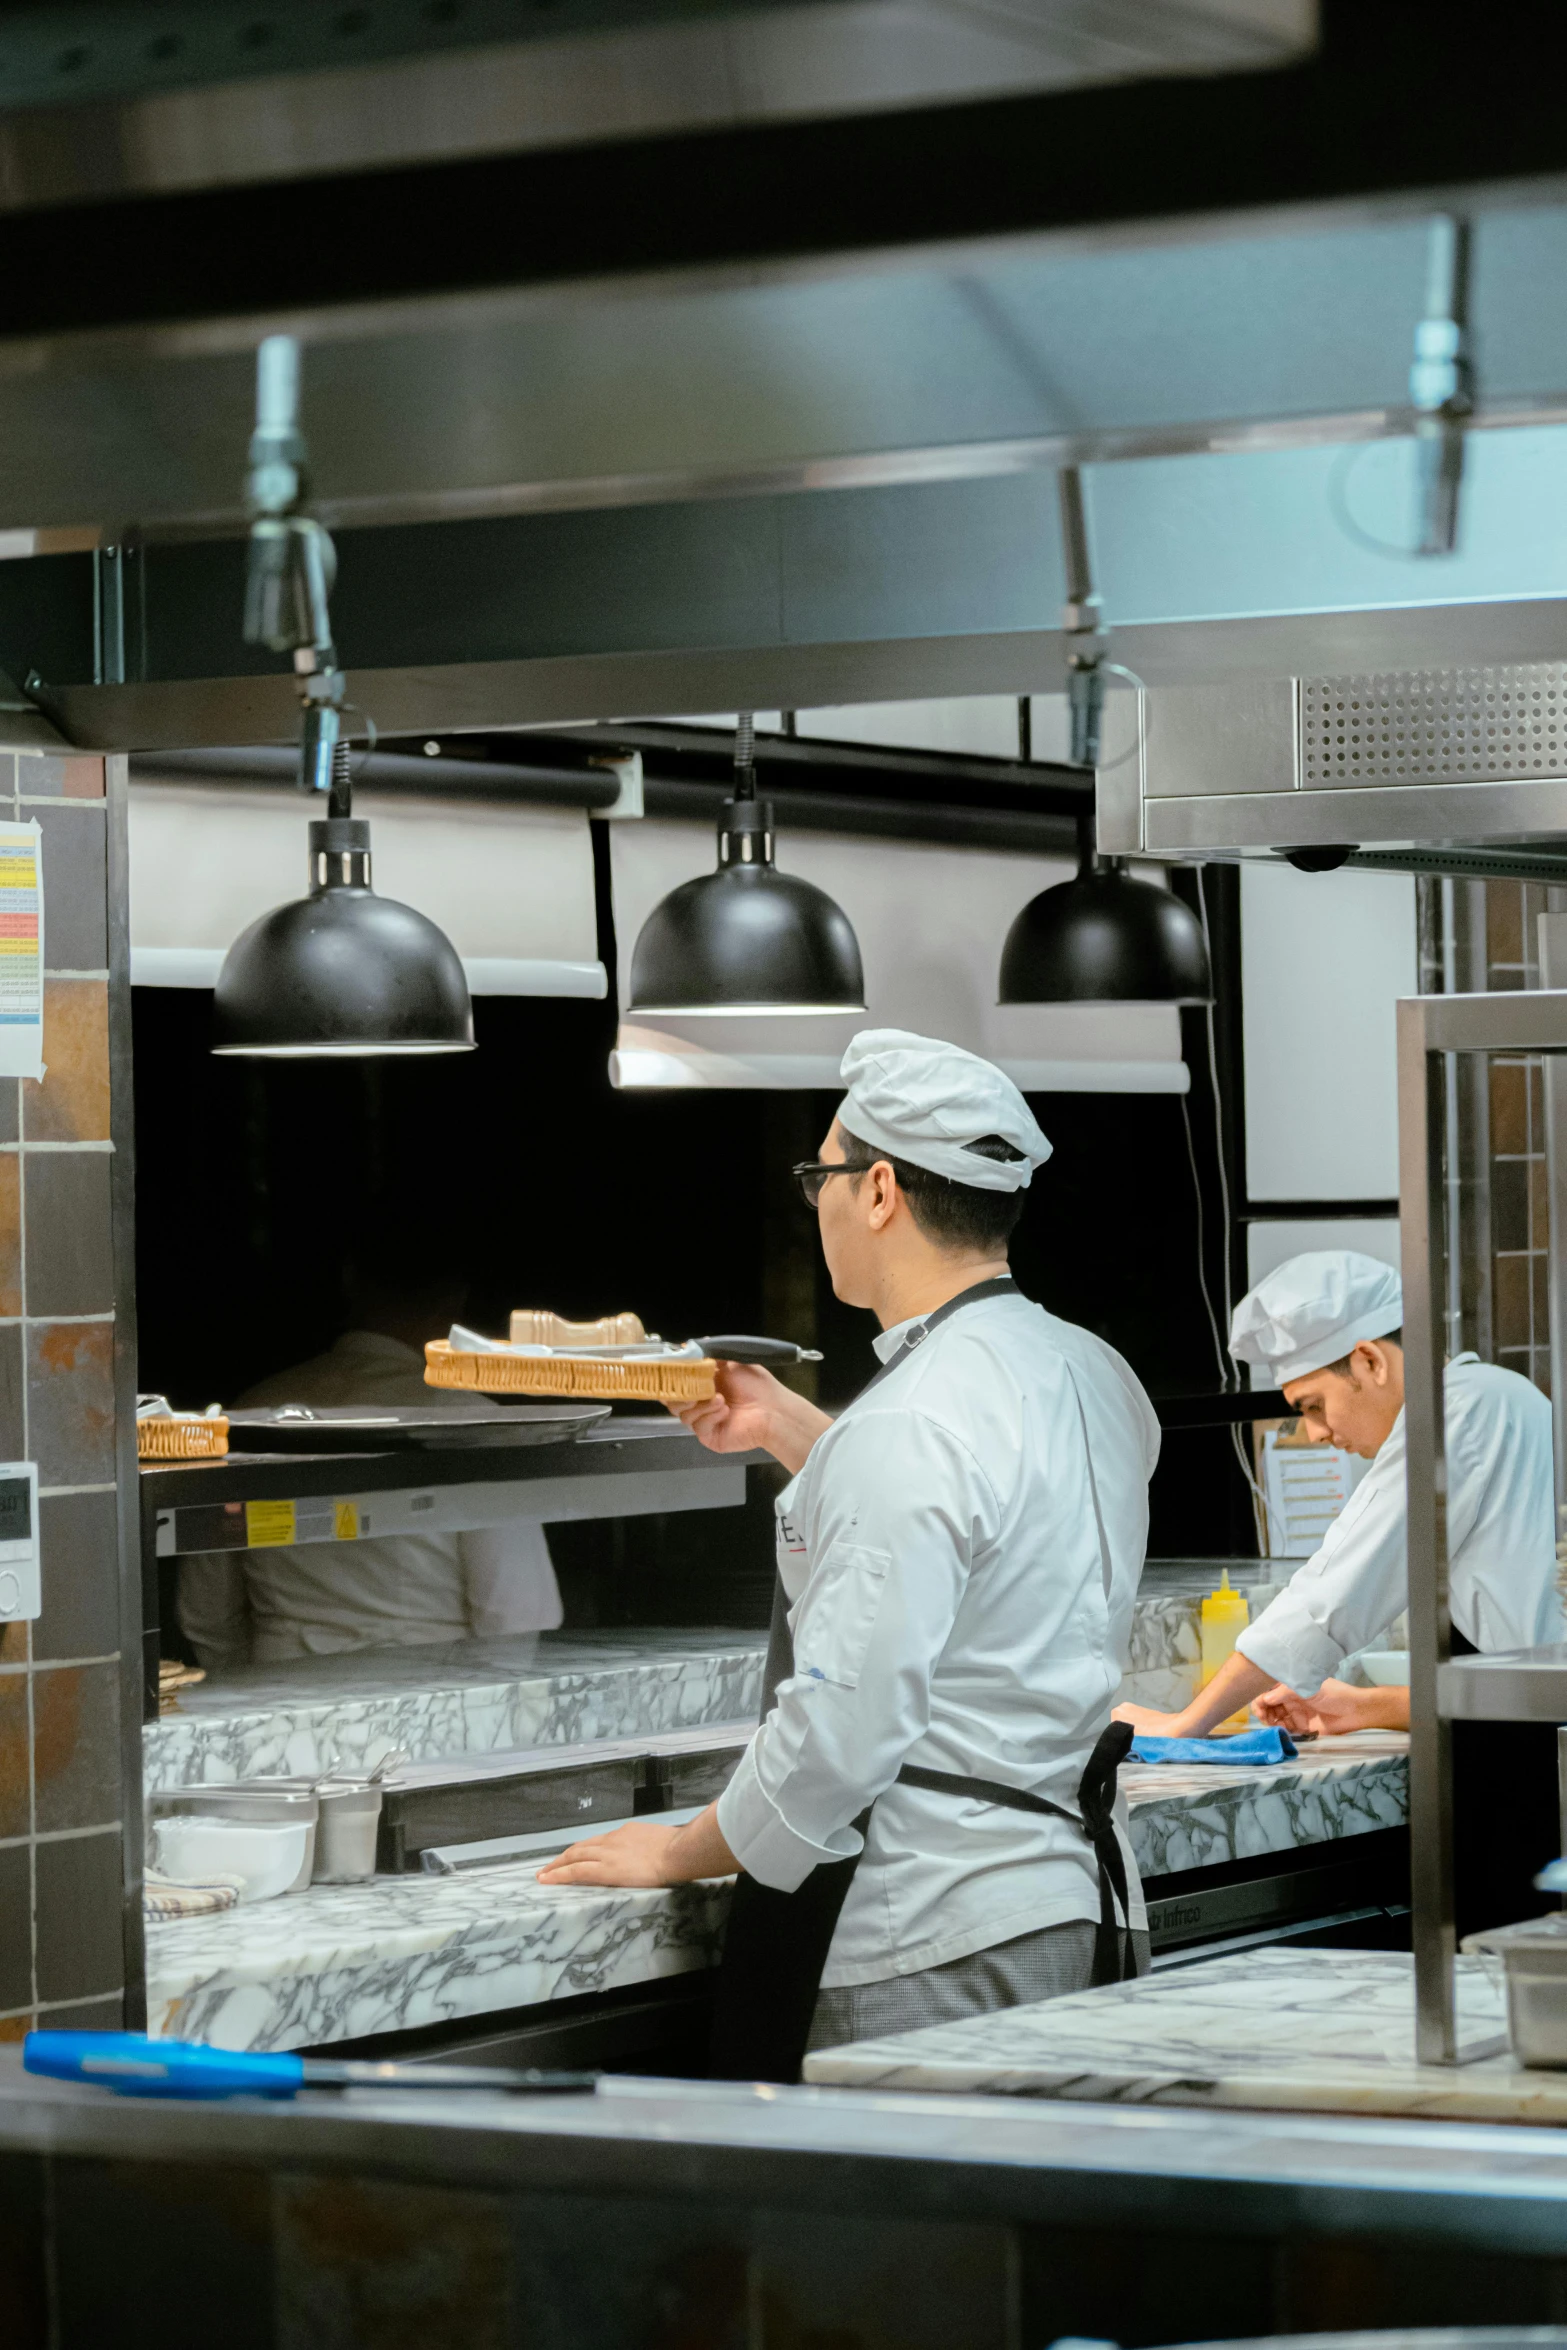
[
  {"x": 1325, "y": 1328},
  {"x": 960, "y": 1551},
  {"x": 269, "y": 1606}
]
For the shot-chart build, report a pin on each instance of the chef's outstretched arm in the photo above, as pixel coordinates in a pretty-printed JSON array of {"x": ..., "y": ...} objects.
[
  {"x": 753, "y": 1411},
  {"x": 1235, "y": 1684},
  {"x": 646, "y": 1852}
]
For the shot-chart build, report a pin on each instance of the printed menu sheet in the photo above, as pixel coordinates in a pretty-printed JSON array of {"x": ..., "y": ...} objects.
[
  {"x": 1304, "y": 1487},
  {"x": 21, "y": 951}
]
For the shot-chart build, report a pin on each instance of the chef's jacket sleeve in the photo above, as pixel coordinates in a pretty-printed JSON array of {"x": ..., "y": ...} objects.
[
  {"x": 508, "y": 1580},
  {"x": 903, "y": 1507},
  {"x": 214, "y": 1609},
  {"x": 1347, "y": 1592}
]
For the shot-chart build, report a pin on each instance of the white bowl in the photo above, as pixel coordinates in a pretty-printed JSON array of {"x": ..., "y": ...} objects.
[
  {"x": 1387, "y": 1669},
  {"x": 259, "y": 1858}
]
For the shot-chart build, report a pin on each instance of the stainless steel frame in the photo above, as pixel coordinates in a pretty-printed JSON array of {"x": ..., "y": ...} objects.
[{"x": 1521, "y": 1686}]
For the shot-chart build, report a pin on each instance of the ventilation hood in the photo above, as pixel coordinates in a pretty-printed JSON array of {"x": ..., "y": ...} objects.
[{"x": 1408, "y": 767}]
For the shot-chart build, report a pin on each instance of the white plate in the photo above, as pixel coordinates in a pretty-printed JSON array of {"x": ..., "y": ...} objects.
[{"x": 1387, "y": 1669}]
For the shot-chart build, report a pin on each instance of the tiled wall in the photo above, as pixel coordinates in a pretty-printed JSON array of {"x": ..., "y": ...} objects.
[
  {"x": 1485, "y": 936},
  {"x": 62, "y": 1807},
  {"x": 1520, "y": 1194}
]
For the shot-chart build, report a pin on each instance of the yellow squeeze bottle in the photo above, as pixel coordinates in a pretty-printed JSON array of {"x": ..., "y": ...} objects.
[{"x": 1225, "y": 1616}]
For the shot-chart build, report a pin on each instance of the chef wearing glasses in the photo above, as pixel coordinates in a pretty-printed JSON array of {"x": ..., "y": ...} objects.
[{"x": 926, "y": 1823}]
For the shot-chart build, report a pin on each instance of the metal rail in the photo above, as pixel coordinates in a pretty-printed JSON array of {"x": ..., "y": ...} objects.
[{"x": 1429, "y": 1026}]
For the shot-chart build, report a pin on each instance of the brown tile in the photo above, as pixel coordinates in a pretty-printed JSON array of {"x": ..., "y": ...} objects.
[
  {"x": 15, "y": 2027},
  {"x": 1540, "y": 1283},
  {"x": 70, "y": 1244},
  {"x": 1539, "y": 1204},
  {"x": 15, "y": 1801},
  {"x": 16, "y": 1926},
  {"x": 10, "y": 1110},
  {"x": 76, "y": 1746},
  {"x": 1503, "y": 921},
  {"x": 76, "y": 889},
  {"x": 54, "y": 779},
  {"x": 1537, "y": 1105},
  {"x": 70, "y": 1393},
  {"x": 80, "y": 1574},
  {"x": 15, "y": 1644},
  {"x": 10, "y": 1233},
  {"x": 1509, "y": 1205},
  {"x": 72, "y": 1103},
  {"x": 1510, "y": 1303},
  {"x": 80, "y": 1926},
  {"x": 13, "y": 1441},
  {"x": 1509, "y": 1106}
]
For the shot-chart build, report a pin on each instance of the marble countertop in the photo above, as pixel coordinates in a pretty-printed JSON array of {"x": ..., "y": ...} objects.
[
  {"x": 343, "y": 1962},
  {"x": 438, "y": 1700},
  {"x": 1196, "y": 1815},
  {"x": 1292, "y": 2030}
]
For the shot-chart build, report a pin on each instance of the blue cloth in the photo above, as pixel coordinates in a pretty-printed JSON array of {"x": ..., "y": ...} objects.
[{"x": 1247, "y": 1746}]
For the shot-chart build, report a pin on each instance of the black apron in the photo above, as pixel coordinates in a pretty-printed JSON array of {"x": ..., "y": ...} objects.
[
  {"x": 1506, "y": 1817},
  {"x": 776, "y": 1943}
]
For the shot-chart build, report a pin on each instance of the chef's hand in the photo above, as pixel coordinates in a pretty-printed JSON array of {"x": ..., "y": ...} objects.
[
  {"x": 646, "y": 1852},
  {"x": 754, "y": 1411},
  {"x": 1336, "y": 1708},
  {"x": 1147, "y": 1723}
]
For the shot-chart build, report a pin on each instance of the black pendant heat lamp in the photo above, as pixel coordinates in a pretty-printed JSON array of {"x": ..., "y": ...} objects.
[
  {"x": 1105, "y": 938},
  {"x": 746, "y": 938},
  {"x": 340, "y": 973}
]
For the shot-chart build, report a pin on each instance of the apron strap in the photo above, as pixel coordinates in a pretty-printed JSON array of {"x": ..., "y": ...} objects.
[{"x": 1114, "y": 1959}]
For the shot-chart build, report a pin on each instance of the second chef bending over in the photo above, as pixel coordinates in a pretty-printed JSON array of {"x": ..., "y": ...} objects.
[
  {"x": 961, "y": 1548},
  {"x": 1326, "y": 1327}
]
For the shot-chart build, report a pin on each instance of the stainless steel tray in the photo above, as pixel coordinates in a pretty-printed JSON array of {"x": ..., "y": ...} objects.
[{"x": 329, "y": 1428}]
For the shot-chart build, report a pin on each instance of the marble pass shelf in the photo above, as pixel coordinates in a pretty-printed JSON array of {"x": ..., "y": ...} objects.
[
  {"x": 1292, "y": 2030},
  {"x": 352, "y": 1961},
  {"x": 477, "y": 1697}
]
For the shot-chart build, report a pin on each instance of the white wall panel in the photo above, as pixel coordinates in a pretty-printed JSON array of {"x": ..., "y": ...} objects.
[
  {"x": 1324, "y": 958},
  {"x": 930, "y": 922}
]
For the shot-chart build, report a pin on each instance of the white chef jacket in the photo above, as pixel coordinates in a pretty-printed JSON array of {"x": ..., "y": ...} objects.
[
  {"x": 955, "y": 1605},
  {"x": 1500, "y": 1533},
  {"x": 396, "y": 1590}
]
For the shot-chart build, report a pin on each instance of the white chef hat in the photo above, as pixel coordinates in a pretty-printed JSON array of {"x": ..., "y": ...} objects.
[
  {"x": 919, "y": 1099},
  {"x": 1313, "y": 1310}
]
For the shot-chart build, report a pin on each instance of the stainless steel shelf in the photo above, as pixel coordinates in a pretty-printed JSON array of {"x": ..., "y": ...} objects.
[{"x": 1514, "y": 1685}]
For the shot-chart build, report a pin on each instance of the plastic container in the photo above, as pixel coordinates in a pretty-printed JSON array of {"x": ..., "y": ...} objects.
[
  {"x": 1225, "y": 1615},
  {"x": 346, "y": 1833},
  {"x": 267, "y": 1802},
  {"x": 1385, "y": 1668},
  {"x": 259, "y": 1858}
]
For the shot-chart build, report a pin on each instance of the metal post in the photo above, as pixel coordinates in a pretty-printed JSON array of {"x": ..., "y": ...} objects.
[
  {"x": 1430, "y": 1740},
  {"x": 1553, "y": 974}
]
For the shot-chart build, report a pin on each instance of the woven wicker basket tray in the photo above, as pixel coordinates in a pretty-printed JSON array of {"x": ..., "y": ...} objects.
[
  {"x": 179, "y": 1439},
  {"x": 686, "y": 1380}
]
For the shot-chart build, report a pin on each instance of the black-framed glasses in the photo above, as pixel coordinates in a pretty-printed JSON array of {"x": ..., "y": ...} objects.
[{"x": 811, "y": 1174}]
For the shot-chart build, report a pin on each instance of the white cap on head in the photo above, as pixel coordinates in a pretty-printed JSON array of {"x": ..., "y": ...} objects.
[
  {"x": 919, "y": 1099},
  {"x": 1313, "y": 1310}
]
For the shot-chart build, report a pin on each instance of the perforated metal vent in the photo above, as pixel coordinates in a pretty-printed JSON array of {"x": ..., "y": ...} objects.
[{"x": 1435, "y": 725}]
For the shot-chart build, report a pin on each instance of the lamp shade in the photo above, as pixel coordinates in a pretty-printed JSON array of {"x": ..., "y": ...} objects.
[
  {"x": 746, "y": 938},
  {"x": 1105, "y": 938},
  {"x": 342, "y": 971}
]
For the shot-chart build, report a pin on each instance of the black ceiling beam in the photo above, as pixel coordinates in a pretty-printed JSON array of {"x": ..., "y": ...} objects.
[
  {"x": 1404, "y": 96},
  {"x": 804, "y": 767}
]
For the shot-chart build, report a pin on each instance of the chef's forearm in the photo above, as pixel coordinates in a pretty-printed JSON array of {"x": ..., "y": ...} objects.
[
  {"x": 793, "y": 1426},
  {"x": 1235, "y": 1684},
  {"x": 698, "y": 1850}
]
